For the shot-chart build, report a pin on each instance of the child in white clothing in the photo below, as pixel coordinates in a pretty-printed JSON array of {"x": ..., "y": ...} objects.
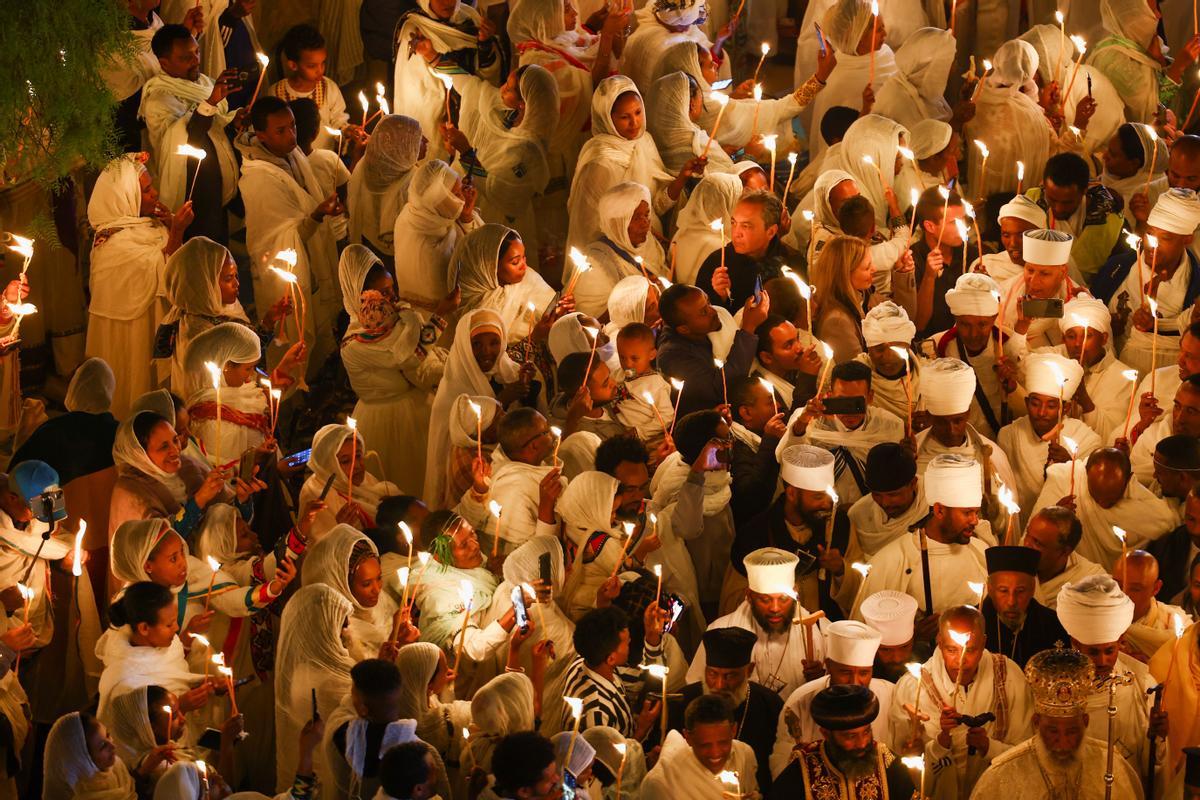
[{"x": 304, "y": 57}]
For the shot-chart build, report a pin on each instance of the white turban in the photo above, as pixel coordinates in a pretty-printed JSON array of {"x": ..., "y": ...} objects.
[
  {"x": 1085, "y": 310},
  {"x": 1047, "y": 248},
  {"x": 1177, "y": 211},
  {"x": 975, "y": 295},
  {"x": 1052, "y": 375},
  {"x": 679, "y": 12},
  {"x": 948, "y": 386},
  {"x": 1094, "y": 610},
  {"x": 807, "y": 467},
  {"x": 770, "y": 570},
  {"x": 851, "y": 643},
  {"x": 845, "y": 22},
  {"x": 891, "y": 613},
  {"x": 929, "y": 137},
  {"x": 954, "y": 481},
  {"x": 887, "y": 323},
  {"x": 1021, "y": 207}
]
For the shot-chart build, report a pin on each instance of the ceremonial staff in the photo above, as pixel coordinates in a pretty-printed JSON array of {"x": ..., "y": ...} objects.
[
  {"x": 925, "y": 579},
  {"x": 1111, "y": 683},
  {"x": 1152, "y": 763}
]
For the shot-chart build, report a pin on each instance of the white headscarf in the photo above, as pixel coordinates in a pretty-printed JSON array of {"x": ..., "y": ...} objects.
[
  {"x": 227, "y": 343},
  {"x": 713, "y": 198},
  {"x": 69, "y": 772},
  {"x": 216, "y": 535},
  {"x": 1130, "y": 19},
  {"x": 417, "y": 663},
  {"x": 91, "y": 387},
  {"x": 427, "y": 234},
  {"x": 192, "y": 280},
  {"x": 324, "y": 462},
  {"x": 379, "y": 184},
  {"x": 586, "y": 506},
  {"x": 432, "y": 207},
  {"x": 524, "y": 145},
  {"x": 129, "y": 725},
  {"x": 578, "y": 453},
  {"x": 678, "y": 138},
  {"x": 1014, "y": 64},
  {"x": 131, "y": 459},
  {"x": 541, "y": 21},
  {"x": 328, "y": 561},
  {"x": 916, "y": 90},
  {"x": 826, "y": 183},
  {"x": 845, "y": 23},
  {"x": 475, "y": 262},
  {"x": 627, "y": 303},
  {"x": 1152, "y": 150},
  {"x": 116, "y": 201},
  {"x": 522, "y": 564},
  {"x": 503, "y": 705},
  {"x": 354, "y": 266},
  {"x": 878, "y": 137},
  {"x": 133, "y": 543},
  {"x": 463, "y": 427},
  {"x": 615, "y": 211}
]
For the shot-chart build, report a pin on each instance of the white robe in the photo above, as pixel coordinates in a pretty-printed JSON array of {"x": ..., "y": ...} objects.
[
  {"x": 1109, "y": 391},
  {"x": 678, "y": 773},
  {"x": 1133, "y": 717},
  {"x": 877, "y": 427},
  {"x": 845, "y": 87},
  {"x": 777, "y": 658},
  {"x": 898, "y": 567},
  {"x": 984, "y": 364},
  {"x": 1027, "y": 450},
  {"x": 889, "y": 393},
  {"x": 1011, "y": 775},
  {"x": 874, "y": 529},
  {"x": 800, "y": 704},
  {"x": 928, "y": 448},
  {"x": 1173, "y": 316},
  {"x": 1076, "y": 570}
]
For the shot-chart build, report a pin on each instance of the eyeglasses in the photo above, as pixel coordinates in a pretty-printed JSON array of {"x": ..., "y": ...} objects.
[{"x": 534, "y": 438}]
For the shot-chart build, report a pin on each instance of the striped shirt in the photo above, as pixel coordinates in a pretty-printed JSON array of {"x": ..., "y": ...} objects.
[{"x": 606, "y": 702}]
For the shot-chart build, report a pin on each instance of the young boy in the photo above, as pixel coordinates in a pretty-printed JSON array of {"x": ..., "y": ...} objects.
[
  {"x": 648, "y": 408},
  {"x": 329, "y": 169},
  {"x": 586, "y": 396},
  {"x": 361, "y": 733},
  {"x": 304, "y": 57}
]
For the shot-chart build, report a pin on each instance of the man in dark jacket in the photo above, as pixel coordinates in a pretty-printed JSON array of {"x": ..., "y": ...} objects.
[
  {"x": 1017, "y": 625},
  {"x": 759, "y": 424},
  {"x": 753, "y": 253}
]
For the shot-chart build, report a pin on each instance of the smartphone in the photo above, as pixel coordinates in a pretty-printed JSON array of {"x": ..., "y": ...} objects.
[
  {"x": 315, "y": 714},
  {"x": 758, "y": 290},
  {"x": 553, "y": 304},
  {"x": 246, "y": 465},
  {"x": 721, "y": 84},
  {"x": 721, "y": 454},
  {"x": 1089, "y": 79},
  {"x": 298, "y": 459},
  {"x": 1042, "y": 309},
  {"x": 544, "y": 570},
  {"x": 518, "y": 601},
  {"x": 328, "y": 486},
  {"x": 821, "y": 40},
  {"x": 845, "y": 405},
  {"x": 210, "y": 739}
]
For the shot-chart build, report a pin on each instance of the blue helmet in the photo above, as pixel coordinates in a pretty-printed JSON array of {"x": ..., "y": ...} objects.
[{"x": 36, "y": 482}]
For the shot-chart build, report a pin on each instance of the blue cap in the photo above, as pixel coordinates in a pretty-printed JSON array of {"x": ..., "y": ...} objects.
[{"x": 32, "y": 479}]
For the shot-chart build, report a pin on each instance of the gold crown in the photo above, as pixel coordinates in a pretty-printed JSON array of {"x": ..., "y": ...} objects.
[{"x": 1061, "y": 681}]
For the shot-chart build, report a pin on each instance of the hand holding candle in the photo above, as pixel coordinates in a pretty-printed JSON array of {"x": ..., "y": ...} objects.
[
  {"x": 188, "y": 151},
  {"x": 962, "y": 639}
]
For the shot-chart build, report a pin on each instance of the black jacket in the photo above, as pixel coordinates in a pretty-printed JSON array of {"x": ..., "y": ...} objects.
[
  {"x": 692, "y": 362},
  {"x": 743, "y": 271}
]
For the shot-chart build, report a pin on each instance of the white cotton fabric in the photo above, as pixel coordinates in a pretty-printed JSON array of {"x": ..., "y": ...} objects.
[
  {"x": 880, "y": 138},
  {"x": 770, "y": 570},
  {"x": 69, "y": 772},
  {"x": 679, "y": 139},
  {"x": 426, "y": 233},
  {"x": 627, "y": 303},
  {"x": 323, "y": 462},
  {"x": 1154, "y": 153},
  {"x": 379, "y": 184},
  {"x": 125, "y": 71},
  {"x": 892, "y": 614},
  {"x": 1177, "y": 211},
  {"x": 1046, "y": 247},
  {"x": 929, "y": 137},
  {"x": 1094, "y": 610},
  {"x": 475, "y": 262},
  {"x": 614, "y": 257},
  {"x": 807, "y": 467},
  {"x": 418, "y": 663},
  {"x": 91, "y": 388},
  {"x": 888, "y": 323},
  {"x": 851, "y": 643},
  {"x": 128, "y": 667},
  {"x": 953, "y": 481},
  {"x": 916, "y": 91},
  {"x": 974, "y": 294},
  {"x": 567, "y": 336},
  {"x": 713, "y": 198},
  {"x": 131, "y": 458},
  {"x": 1124, "y": 59},
  {"x": 1085, "y": 310},
  {"x": 948, "y": 386},
  {"x": 1052, "y": 375},
  {"x": 1021, "y": 207},
  {"x": 328, "y": 562},
  {"x": 229, "y": 342}
]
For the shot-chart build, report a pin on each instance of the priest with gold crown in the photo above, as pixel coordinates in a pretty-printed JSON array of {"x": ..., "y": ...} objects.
[{"x": 1060, "y": 760}]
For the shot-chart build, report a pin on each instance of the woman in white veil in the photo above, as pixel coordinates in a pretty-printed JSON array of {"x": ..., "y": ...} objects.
[
  {"x": 492, "y": 273},
  {"x": 424, "y": 677},
  {"x": 678, "y": 104},
  {"x": 336, "y": 449},
  {"x": 379, "y": 184},
  {"x": 633, "y": 299},
  {"x": 713, "y": 198},
  {"x": 626, "y": 246},
  {"x": 917, "y": 89},
  {"x": 1131, "y": 56},
  {"x": 81, "y": 761}
]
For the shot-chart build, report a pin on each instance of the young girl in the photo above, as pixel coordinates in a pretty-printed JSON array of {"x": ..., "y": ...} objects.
[
  {"x": 305, "y": 57},
  {"x": 336, "y": 450}
]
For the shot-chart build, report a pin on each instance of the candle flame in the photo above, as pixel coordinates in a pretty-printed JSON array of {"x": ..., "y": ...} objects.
[
  {"x": 1007, "y": 499},
  {"x": 914, "y": 762},
  {"x": 868, "y": 160},
  {"x": 466, "y": 591},
  {"x": 961, "y": 227},
  {"x": 1058, "y": 17},
  {"x": 649, "y": 398},
  {"x": 362, "y": 101},
  {"x": 677, "y": 383},
  {"x": 200, "y": 765},
  {"x": 21, "y": 309},
  {"x": 901, "y": 351},
  {"x": 466, "y": 733},
  {"x": 213, "y": 564},
  {"x": 262, "y": 58},
  {"x": 960, "y": 638},
  {"x": 861, "y": 569},
  {"x": 827, "y": 350},
  {"x": 628, "y": 526},
  {"x": 215, "y": 372},
  {"x": 576, "y": 706},
  {"x": 1152, "y": 241},
  {"x": 379, "y": 88},
  {"x": 447, "y": 81},
  {"x": 76, "y": 567},
  {"x": 332, "y": 131},
  {"x": 382, "y": 102},
  {"x": 766, "y": 48},
  {"x": 987, "y": 66},
  {"x": 657, "y": 670},
  {"x": 983, "y": 148},
  {"x": 1177, "y": 621},
  {"x": 200, "y": 638},
  {"x": 792, "y": 159},
  {"x": 495, "y": 508},
  {"x": 595, "y": 332},
  {"x": 423, "y": 557},
  {"x": 620, "y": 748},
  {"x": 1020, "y": 170},
  {"x": 578, "y": 259},
  {"x": 407, "y": 531},
  {"x": 808, "y": 215},
  {"x": 1130, "y": 374},
  {"x": 226, "y": 671},
  {"x": 218, "y": 659},
  {"x": 167, "y": 710},
  {"x": 658, "y": 570},
  {"x": 288, "y": 277},
  {"x": 1119, "y": 533},
  {"x": 718, "y": 363},
  {"x": 1132, "y": 239},
  {"x": 968, "y": 209},
  {"x": 719, "y": 98},
  {"x": 351, "y": 423},
  {"x": 1080, "y": 43},
  {"x": 287, "y": 256},
  {"x": 276, "y": 394},
  {"x": 914, "y": 195},
  {"x": 1079, "y": 321},
  {"x": 944, "y": 192},
  {"x": 1153, "y": 303},
  {"x": 875, "y": 7},
  {"x": 976, "y": 587},
  {"x": 914, "y": 669},
  {"x": 1071, "y": 445},
  {"x": 757, "y": 92},
  {"x": 728, "y": 777},
  {"x": 478, "y": 409},
  {"x": 27, "y": 592},
  {"x": 1153, "y": 134},
  {"x": 832, "y": 494},
  {"x": 557, "y": 431},
  {"x": 402, "y": 576},
  {"x": 718, "y": 225},
  {"x": 769, "y": 142},
  {"x": 653, "y": 518},
  {"x": 904, "y": 151},
  {"x": 766, "y": 384},
  {"x": 23, "y": 246},
  {"x": 190, "y": 152}
]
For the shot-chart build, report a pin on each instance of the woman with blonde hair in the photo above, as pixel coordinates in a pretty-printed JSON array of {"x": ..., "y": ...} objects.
[{"x": 841, "y": 281}]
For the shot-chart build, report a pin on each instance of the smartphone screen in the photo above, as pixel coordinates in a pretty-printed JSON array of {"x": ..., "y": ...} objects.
[
  {"x": 821, "y": 40},
  {"x": 518, "y": 601},
  {"x": 298, "y": 459},
  {"x": 722, "y": 84}
]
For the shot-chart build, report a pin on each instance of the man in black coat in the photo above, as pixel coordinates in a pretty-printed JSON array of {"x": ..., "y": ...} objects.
[
  {"x": 1017, "y": 625},
  {"x": 752, "y": 256}
]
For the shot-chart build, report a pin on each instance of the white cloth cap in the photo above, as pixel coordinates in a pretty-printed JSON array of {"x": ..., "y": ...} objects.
[
  {"x": 1177, "y": 211},
  {"x": 1022, "y": 207},
  {"x": 1087, "y": 310},
  {"x": 1052, "y": 375},
  {"x": 770, "y": 570},
  {"x": 807, "y": 467},
  {"x": 1094, "y": 610},
  {"x": 974, "y": 294},
  {"x": 892, "y": 614},
  {"x": 679, "y": 12},
  {"x": 929, "y": 137},
  {"x": 954, "y": 481},
  {"x": 851, "y": 643},
  {"x": 887, "y": 323},
  {"x": 1047, "y": 248},
  {"x": 948, "y": 386}
]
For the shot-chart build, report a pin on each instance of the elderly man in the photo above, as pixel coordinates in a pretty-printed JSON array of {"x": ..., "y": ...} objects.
[
  {"x": 1166, "y": 272},
  {"x": 849, "y": 661},
  {"x": 1044, "y": 278},
  {"x": 1055, "y": 532},
  {"x": 849, "y": 761},
  {"x": 895, "y": 380},
  {"x": 786, "y": 654},
  {"x": 894, "y": 502},
  {"x": 1157, "y": 390},
  {"x": 1184, "y": 420},
  {"x": 802, "y": 520},
  {"x": 752, "y": 254},
  {"x": 1102, "y": 399},
  {"x": 691, "y": 762},
  {"x": 1096, "y": 614},
  {"x": 849, "y": 437},
  {"x": 975, "y": 303},
  {"x": 1105, "y": 497},
  {"x": 1018, "y": 625},
  {"x": 950, "y": 389},
  {"x": 892, "y": 614},
  {"x": 1154, "y": 623},
  {"x": 1016, "y": 216},
  {"x": 1176, "y": 470},
  {"x": 783, "y": 361},
  {"x": 961, "y": 682},
  {"x": 948, "y": 541},
  {"x": 1089, "y": 213},
  {"x": 1177, "y": 549},
  {"x": 730, "y": 654},
  {"x": 1069, "y": 762},
  {"x": 1047, "y": 434}
]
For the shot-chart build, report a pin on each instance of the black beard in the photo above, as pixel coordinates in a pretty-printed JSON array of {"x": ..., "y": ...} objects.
[{"x": 852, "y": 765}]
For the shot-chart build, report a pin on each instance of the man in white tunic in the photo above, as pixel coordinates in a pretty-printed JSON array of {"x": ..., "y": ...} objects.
[
  {"x": 1047, "y": 434},
  {"x": 961, "y": 680},
  {"x": 1106, "y": 497},
  {"x": 1154, "y": 623},
  {"x": 1096, "y": 614},
  {"x": 1055, "y": 532},
  {"x": 692, "y": 762},
  {"x": 1183, "y": 419},
  {"x": 1102, "y": 400},
  {"x": 1157, "y": 389},
  {"x": 949, "y": 543},
  {"x": 1047, "y": 254},
  {"x": 1016, "y": 216},
  {"x": 1068, "y": 761},
  {"x": 849, "y": 660},
  {"x": 787, "y": 654},
  {"x": 894, "y": 502},
  {"x": 895, "y": 380},
  {"x": 892, "y": 614}
]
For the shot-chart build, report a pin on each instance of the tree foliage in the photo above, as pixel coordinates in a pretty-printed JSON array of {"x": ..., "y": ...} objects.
[{"x": 55, "y": 108}]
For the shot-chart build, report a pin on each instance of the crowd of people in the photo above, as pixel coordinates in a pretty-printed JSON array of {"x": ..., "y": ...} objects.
[{"x": 550, "y": 398}]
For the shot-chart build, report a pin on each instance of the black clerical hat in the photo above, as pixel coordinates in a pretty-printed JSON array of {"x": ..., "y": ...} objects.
[
  {"x": 1006, "y": 558},
  {"x": 889, "y": 467},
  {"x": 1179, "y": 452},
  {"x": 844, "y": 707},
  {"x": 1191, "y": 770},
  {"x": 728, "y": 648}
]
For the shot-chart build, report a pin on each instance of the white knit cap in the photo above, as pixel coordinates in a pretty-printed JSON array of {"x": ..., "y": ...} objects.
[
  {"x": 954, "y": 481},
  {"x": 929, "y": 137},
  {"x": 851, "y": 643},
  {"x": 1085, "y": 310},
  {"x": 1021, "y": 207},
  {"x": 807, "y": 467},
  {"x": 1052, "y": 375},
  {"x": 948, "y": 386},
  {"x": 1177, "y": 211},
  {"x": 770, "y": 570},
  {"x": 892, "y": 614},
  {"x": 887, "y": 323},
  {"x": 1046, "y": 248},
  {"x": 974, "y": 295},
  {"x": 1094, "y": 610}
]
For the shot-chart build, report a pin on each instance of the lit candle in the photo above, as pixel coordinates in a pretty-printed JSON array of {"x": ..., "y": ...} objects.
[
  {"x": 353, "y": 426},
  {"x": 276, "y": 394},
  {"x": 791, "y": 157},
  {"x": 1153, "y": 134},
  {"x": 727, "y": 777},
  {"x": 496, "y": 509},
  {"x": 806, "y": 292},
  {"x": 76, "y": 567},
  {"x": 213, "y": 565},
  {"x": 204, "y": 641},
  {"x": 335, "y": 132},
  {"x": 962, "y": 639},
  {"x": 718, "y": 225},
  {"x": 965, "y": 235},
  {"x": 538, "y": 605},
  {"x": 1130, "y": 375},
  {"x": 1120, "y": 534},
  {"x": 423, "y": 557},
  {"x": 766, "y": 384},
  {"x": 362, "y": 101},
  {"x": 757, "y": 104},
  {"x": 620, "y": 748},
  {"x": 944, "y": 192},
  {"x": 1020, "y": 177},
  {"x": 202, "y": 768},
  {"x": 978, "y": 587},
  {"x": 1062, "y": 44},
  {"x": 1081, "y": 46},
  {"x": 406, "y": 532},
  {"x": 870, "y": 161},
  {"x": 20, "y": 311},
  {"x": 595, "y": 334},
  {"x": 1135, "y": 244},
  {"x": 580, "y": 262},
  {"x": 478, "y": 409},
  {"x": 288, "y": 276},
  {"x": 228, "y": 673},
  {"x": 828, "y": 364},
  {"x": 187, "y": 151},
  {"x": 470, "y": 757},
  {"x": 874, "y": 31},
  {"x": 914, "y": 669},
  {"x": 916, "y": 763},
  {"x": 903, "y": 353},
  {"x": 1153, "y": 342},
  {"x": 766, "y": 50},
  {"x": 649, "y": 398},
  {"x": 27, "y": 595},
  {"x": 723, "y": 101},
  {"x": 214, "y": 372},
  {"x": 833, "y": 496},
  {"x": 660, "y": 671},
  {"x": 987, "y": 67},
  {"x": 467, "y": 595},
  {"x": 969, "y": 210},
  {"x": 402, "y": 574},
  {"x": 263, "y": 61},
  {"x": 1073, "y": 449},
  {"x": 557, "y": 431},
  {"x": 629, "y": 528},
  {"x": 678, "y": 385},
  {"x": 658, "y": 574},
  {"x": 1008, "y": 501},
  {"x": 983, "y": 151},
  {"x": 1180, "y": 626},
  {"x": 448, "y": 84},
  {"x": 769, "y": 143},
  {"x": 23, "y": 248}
]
